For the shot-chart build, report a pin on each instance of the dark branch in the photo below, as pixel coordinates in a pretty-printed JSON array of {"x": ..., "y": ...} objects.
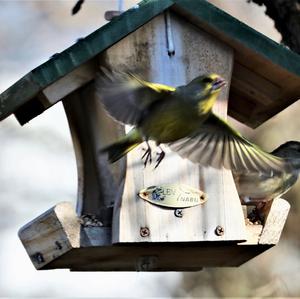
[
  {"x": 286, "y": 15},
  {"x": 77, "y": 7}
]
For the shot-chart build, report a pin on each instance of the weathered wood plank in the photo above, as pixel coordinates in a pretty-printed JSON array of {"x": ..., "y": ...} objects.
[
  {"x": 157, "y": 257},
  {"x": 253, "y": 234},
  {"x": 60, "y": 239},
  {"x": 67, "y": 84},
  {"x": 99, "y": 182},
  {"x": 250, "y": 85},
  {"x": 51, "y": 235},
  {"x": 275, "y": 222}
]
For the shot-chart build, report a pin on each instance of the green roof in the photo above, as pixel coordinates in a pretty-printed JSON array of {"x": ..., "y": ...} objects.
[{"x": 203, "y": 14}]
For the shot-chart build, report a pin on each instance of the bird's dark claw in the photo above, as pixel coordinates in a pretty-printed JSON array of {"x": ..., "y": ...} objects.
[
  {"x": 160, "y": 157},
  {"x": 147, "y": 155}
]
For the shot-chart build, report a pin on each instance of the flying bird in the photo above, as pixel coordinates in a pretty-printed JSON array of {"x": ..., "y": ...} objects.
[{"x": 182, "y": 118}]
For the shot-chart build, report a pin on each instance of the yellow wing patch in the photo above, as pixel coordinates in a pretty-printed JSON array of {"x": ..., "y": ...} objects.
[
  {"x": 155, "y": 86},
  {"x": 160, "y": 87}
]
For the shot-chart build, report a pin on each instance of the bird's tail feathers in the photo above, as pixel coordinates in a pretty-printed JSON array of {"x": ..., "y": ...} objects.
[
  {"x": 120, "y": 148},
  {"x": 117, "y": 150}
]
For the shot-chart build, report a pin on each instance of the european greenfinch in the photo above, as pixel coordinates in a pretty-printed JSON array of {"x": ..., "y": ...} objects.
[
  {"x": 180, "y": 117},
  {"x": 255, "y": 188}
]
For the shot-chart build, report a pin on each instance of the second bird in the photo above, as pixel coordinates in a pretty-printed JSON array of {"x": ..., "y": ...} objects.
[
  {"x": 182, "y": 118},
  {"x": 258, "y": 189}
]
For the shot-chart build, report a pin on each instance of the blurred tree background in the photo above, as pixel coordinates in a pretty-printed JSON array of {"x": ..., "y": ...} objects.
[
  {"x": 37, "y": 168},
  {"x": 286, "y": 16}
]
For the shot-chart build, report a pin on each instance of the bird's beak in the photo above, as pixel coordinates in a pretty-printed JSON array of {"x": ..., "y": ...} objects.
[{"x": 218, "y": 83}]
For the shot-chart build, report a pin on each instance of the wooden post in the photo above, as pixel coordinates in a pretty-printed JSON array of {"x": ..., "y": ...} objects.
[{"x": 99, "y": 183}]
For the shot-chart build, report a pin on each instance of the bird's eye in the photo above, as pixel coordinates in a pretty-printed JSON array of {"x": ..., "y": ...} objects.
[{"x": 207, "y": 80}]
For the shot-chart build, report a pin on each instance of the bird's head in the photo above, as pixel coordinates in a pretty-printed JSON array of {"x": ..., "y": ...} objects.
[
  {"x": 205, "y": 90},
  {"x": 209, "y": 83},
  {"x": 290, "y": 149}
]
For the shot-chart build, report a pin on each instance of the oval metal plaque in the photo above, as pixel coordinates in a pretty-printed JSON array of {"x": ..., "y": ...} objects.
[{"x": 173, "y": 196}]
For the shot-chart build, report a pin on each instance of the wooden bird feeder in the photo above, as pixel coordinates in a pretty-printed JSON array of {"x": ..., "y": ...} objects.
[{"x": 113, "y": 229}]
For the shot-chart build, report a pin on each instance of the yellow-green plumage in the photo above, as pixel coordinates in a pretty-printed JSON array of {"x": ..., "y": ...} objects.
[
  {"x": 170, "y": 121},
  {"x": 182, "y": 118},
  {"x": 117, "y": 150}
]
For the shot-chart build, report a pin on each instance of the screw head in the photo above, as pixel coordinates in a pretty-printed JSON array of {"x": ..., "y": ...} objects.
[
  {"x": 178, "y": 213},
  {"x": 38, "y": 257},
  {"x": 219, "y": 231},
  {"x": 144, "y": 232}
]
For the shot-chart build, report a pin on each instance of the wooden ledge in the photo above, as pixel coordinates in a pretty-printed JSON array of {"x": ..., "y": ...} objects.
[{"x": 59, "y": 239}]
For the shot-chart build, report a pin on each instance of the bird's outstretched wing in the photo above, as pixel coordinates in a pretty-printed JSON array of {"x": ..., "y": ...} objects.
[
  {"x": 218, "y": 145},
  {"x": 125, "y": 96}
]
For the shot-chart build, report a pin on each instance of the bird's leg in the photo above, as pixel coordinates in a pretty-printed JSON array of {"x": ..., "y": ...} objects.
[
  {"x": 147, "y": 155},
  {"x": 160, "y": 157}
]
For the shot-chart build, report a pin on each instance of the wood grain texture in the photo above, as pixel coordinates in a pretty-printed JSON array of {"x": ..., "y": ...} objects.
[
  {"x": 51, "y": 235},
  {"x": 67, "y": 84},
  {"x": 196, "y": 53},
  {"x": 253, "y": 232},
  {"x": 157, "y": 257},
  {"x": 275, "y": 221},
  {"x": 58, "y": 239},
  {"x": 99, "y": 182}
]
